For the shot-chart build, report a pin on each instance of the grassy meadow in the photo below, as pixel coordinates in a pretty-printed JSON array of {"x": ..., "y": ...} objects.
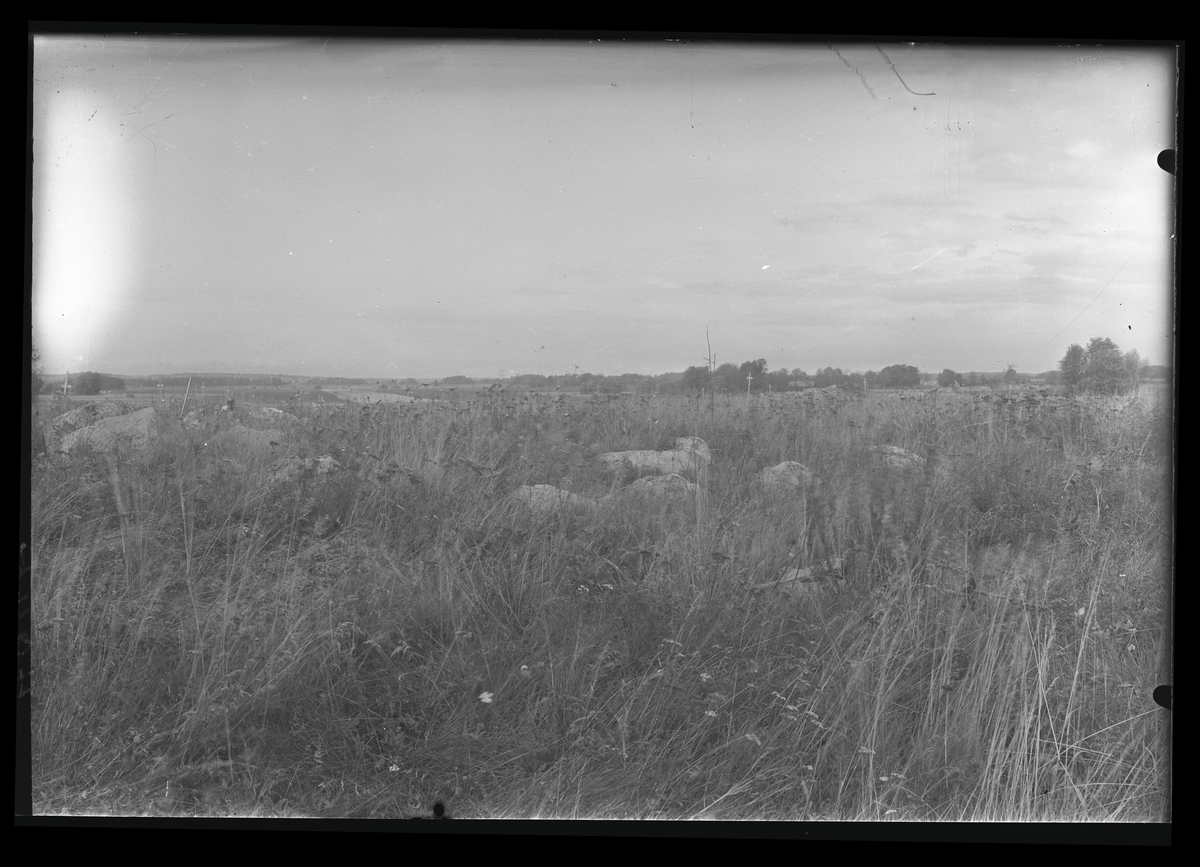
[{"x": 351, "y": 617}]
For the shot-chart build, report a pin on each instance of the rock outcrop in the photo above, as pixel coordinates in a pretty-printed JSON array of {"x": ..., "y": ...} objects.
[
  {"x": 547, "y": 499},
  {"x": 667, "y": 488},
  {"x": 787, "y": 477},
  {"x": 690, "y": 457},
  {"x": 139, "y": 428},
  {"x": 81, "y": 417}
]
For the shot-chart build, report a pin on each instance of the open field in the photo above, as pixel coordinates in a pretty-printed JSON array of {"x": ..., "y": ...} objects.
[{"x": 352, "y": 616}]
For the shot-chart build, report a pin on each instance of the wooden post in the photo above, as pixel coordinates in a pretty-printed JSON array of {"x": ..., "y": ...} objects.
[{"x": 185, "y": 398}]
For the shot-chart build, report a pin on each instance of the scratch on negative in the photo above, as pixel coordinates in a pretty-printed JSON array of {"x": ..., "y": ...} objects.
[{"x": 854, "y": 69}]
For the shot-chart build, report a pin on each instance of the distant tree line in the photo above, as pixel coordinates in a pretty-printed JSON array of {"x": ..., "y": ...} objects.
[
  {"x": 730, "y": 378},
  {"x": 754, "y": 377},
  {"x": 221, "y": 380},
  {"x": 949, "y": 378},
  {"x": 1098, "y": 367},
  {"x": 87, "y": 382},
  {"x": 595, "y": 383},
  {"x": 343, "y": 380}
]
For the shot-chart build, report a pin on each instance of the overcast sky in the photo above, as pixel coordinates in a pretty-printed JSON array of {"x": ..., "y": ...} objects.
[{"x": 427, "y": 208}]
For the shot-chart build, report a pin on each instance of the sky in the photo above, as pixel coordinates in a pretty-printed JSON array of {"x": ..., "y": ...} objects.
[{"x": 424, "y": 208}]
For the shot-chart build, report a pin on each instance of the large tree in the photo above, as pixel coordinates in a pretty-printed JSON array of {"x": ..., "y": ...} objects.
[
  {"x": 1100, "y": 367},
  {"x": 948, "y": 378},
  {"x": 754, "y": 374},
  {"x": 828, "y": 376},
  {"x": 697, "y": 378},
  {"x": 87, "y": 382},
  {"x": 1073, "y": 365},
  {"x": 899, "y": 376},
  {"x": 726, "y": 378},
  {"x": 779, "y": 380},
  {"x": 1104, "y": 371}
]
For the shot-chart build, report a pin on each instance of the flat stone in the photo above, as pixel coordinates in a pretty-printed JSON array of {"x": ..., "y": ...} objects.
[
  {"x": 690, "y": 456},
  {"x": 139, "y": 429}
]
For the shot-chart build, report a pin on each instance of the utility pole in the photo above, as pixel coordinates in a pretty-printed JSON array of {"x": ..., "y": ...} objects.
[
  {"x": 749, "y": 377},
  {"x": 712, "y": 385}
]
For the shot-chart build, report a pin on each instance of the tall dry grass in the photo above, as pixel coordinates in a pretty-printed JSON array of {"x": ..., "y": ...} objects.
[{"x": 227, "y": 628}]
